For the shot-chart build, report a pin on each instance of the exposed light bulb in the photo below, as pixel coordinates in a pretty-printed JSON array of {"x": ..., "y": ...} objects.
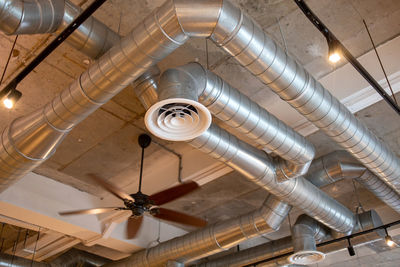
[
  {"x": 12, "y": 98},
  {"x": 335, "y": 57},
  {"x": 389, "y": 241},
  {"x": 8, "y": 103},
  {"x": 334, "y": 51}
]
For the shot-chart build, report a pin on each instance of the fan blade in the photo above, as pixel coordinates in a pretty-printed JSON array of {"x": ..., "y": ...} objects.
[
  {"x": 89, "y": 211},
  {"x": 175, "y": 216},
  {"x": 173, "y": 193},
  {"x": 110, "y": 188},
  {"x": 133, "y": 226}
]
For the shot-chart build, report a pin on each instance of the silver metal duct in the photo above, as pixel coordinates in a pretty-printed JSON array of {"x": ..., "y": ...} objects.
[
  {"x": 267, "y": 61},
  {"x": 174, "y": 264},
  {"x": 75, "y": 257},
  {"x": 9, "y": 260},
  {"x": 27, "y": 17},
  {"x": 72, "y": 258},
  {"x": 341, "y": 165},
  {"x": 251, "y": 255},
  {"x": 30, "y": 140},
  {"x": 260, "y": 168},
  {"x": 239, "y": 112},
  {"x": 93, "y": 38},
  {"x": 212, "y": 239},
  {"x": 305, "y": 233},
  {"x": 367, "y": 220},
  {"x": 145, "y": 87}
]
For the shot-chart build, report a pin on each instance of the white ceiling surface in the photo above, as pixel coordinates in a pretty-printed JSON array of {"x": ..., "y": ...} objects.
[{"x": 106, "y": 141}]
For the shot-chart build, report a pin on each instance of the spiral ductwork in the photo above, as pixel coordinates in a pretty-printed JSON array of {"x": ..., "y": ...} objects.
[
  {"x": 258, "y": 53},
  {"x": 341, "y": 165},
  {"x": 32, "y": 139},
  {"x": 239, "y": 112},
  {"x": 145, "y": 87},
  {"x": 92, "y": 37},
  {"x": 27, "y": 17},
  {"x": 72, "y": 258},
  {"x": 251, "y": 255},
  {"x": 260, "y": 168},
  {"x": 212, "y": 239},
  {"x": 273, "y": 249}
]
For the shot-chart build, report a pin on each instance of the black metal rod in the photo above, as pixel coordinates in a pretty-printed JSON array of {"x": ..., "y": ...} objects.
[
  {"x": 8, "y": 59},
  {"x": 141, "y": 171},
  {"x": 346, "y": 53},
  {"x": 380, "y": 61},
  {"x": 54, "y": 44},
  {"x": 348, "y": 237}
]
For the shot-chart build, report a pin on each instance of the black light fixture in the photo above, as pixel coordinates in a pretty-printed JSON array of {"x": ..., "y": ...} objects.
[
  {"x": 388, "y": 239},
  {"x": 12, "y": 98},
  {"x": 350, "y": 248},
  {"x": 335, "y": 52}
]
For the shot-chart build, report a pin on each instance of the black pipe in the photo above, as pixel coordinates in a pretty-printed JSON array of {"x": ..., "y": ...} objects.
[
  {"x": 330, "y": 37},
  {"x": 53, "y": 45}
]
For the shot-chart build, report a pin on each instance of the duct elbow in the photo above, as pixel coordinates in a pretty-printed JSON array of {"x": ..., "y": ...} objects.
[
  {"x": 145, "y": 87},
  {"x": 305, "y": 233},
  {"x": 195, "y": 23},
  {"x": 286, "y": 170},
  {"x": 178, "y": 116}
]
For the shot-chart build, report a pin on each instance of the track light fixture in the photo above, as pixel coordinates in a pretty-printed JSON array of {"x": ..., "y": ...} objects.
[
  {"x": 335, "y": 53},
  {"x": 388, "y": 239},
  {"x": 12, "y": 98},
  {"x": 350, "y": 248}
]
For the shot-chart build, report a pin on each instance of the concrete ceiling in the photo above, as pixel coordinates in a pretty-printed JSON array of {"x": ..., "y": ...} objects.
[{"x": 105, "y": 143}]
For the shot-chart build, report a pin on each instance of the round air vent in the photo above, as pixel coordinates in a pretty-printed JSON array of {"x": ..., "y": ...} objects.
[
  {"x": 306, "y": 257},
  {"x": 177, "y": 119}
]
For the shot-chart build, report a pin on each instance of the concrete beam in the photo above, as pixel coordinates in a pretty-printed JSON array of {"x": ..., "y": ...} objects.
[{"x": 36, "y": 200}]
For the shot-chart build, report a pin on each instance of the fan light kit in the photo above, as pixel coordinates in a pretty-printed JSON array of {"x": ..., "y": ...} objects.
[{"x": 140, "y": 203}]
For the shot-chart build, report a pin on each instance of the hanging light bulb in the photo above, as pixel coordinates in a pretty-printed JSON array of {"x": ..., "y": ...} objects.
[
  {"x": 12, "y": 98},
  {"x": 334, "y": 51},
  {"x": 388, "y": 239}
]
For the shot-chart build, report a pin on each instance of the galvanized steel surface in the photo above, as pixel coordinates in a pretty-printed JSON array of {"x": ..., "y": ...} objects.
[
  {"x": 212, "y": 239},
  {"x": 341, "y": 165},
  {"x": 239, "y": 112},
  {"x": 29, "y": 17},
  {"x": 259, "y": 168},
  {"x": 266, "y": 60},
  {"x": 30, "y": 140},
  {"x": 366, "y": 220}
]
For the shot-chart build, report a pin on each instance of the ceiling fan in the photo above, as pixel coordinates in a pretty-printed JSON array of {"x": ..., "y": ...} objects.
[{"x": 139, "y": 203}]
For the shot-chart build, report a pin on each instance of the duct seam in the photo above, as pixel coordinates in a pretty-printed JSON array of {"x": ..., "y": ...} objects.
[
  {"x": 340, "y": 165},
  {"x": 306, "y": 95},
  {"x": 239, "y": 112}
]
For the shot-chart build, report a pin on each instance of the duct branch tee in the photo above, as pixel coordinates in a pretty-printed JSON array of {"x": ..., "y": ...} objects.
[
  {"x": 193, "y": 82},
  {"x": 339, "y": 165},
  {"x": 258, "y": 167}
]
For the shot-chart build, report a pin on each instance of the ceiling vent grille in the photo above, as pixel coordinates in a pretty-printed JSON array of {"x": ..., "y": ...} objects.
[{"x": 177, "y": 119}]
